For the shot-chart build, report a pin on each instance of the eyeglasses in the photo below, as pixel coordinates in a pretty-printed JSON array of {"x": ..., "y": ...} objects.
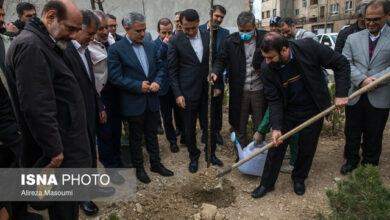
[
  {"x": 373, "y": 19},
  {"x": 112, "y": 25}
]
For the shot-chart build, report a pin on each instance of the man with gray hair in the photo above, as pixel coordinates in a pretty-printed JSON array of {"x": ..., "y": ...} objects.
[
  {"x": 245, "y": 85},
  {"x": 365, "y": 116},
  {"x": 134, "y": 67},
  {"x": 353, "y": 28},
  {"x": 108, "y": 134}
]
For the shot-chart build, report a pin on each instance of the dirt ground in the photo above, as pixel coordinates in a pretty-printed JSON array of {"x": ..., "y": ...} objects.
[{"x": 179, "y": 197}]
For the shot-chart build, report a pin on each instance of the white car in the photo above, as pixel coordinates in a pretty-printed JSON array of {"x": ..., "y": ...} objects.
[{"x": 328, "y": 39}]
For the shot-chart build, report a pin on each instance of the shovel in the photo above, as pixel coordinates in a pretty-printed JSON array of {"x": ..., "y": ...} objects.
[{"x": 320, "y": 115}]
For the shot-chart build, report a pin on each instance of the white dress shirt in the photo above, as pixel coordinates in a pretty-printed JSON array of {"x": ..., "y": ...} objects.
[
  {"x": 81, "y": 52},
  {"x": 197, "y": 45},
  {"x": 374, "y": 38}
]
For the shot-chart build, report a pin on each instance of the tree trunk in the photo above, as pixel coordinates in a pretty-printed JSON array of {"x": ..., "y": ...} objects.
[{"x": 93, "y": 4}]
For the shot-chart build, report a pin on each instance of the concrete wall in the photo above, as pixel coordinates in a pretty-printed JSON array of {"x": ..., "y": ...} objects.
[{"x": 154, "y": 9}]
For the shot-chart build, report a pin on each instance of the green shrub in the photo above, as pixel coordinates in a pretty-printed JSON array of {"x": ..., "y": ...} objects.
[
  {"x": 362, "y": 196},
  {"x": 113, "y": 216}
]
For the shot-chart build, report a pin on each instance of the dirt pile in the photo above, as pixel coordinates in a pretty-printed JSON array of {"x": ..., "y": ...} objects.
[
  {"x": 182, "y": 201},
  {"x": 205, "y": 180}
]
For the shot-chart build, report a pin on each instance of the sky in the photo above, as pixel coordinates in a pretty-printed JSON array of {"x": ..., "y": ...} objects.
[{"x": 257, "y": 9}]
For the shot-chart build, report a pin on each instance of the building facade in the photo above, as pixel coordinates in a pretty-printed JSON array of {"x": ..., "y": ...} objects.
[
  {"x": 271, "y": 8},
  {"x": 312, "y": 15}
]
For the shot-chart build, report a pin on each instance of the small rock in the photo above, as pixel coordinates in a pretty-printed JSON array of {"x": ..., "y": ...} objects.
[
  {"x": 219, "y": 216},
  {"x": 139, "y": 208},
  {"x": 196, "y": 206},
  {"x": 336, "y": 179},
  {"x": 208, "y": 211},
  {"x": 261, "y": 214},
  {"x": 197, "y": 216}
]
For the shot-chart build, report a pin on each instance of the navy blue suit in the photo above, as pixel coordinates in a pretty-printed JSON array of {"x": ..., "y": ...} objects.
[
  {"x": 222, "y": 34},
  {"x": 167, "y": 99},
  {"x": 141, "y": 110}
]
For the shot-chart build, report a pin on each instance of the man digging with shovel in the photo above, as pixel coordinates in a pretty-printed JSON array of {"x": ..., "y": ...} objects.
[{"x": 296, "y": 90}]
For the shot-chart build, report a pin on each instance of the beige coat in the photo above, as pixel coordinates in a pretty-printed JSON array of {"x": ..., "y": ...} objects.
[{"x": 99, "y": 60}]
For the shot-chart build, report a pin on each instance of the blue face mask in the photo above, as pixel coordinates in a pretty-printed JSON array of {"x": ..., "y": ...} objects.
[{"x": 246, "y": 36}]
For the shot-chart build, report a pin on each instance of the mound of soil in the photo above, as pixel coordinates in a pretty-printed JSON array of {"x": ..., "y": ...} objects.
[{"x": 184, "y": 201}]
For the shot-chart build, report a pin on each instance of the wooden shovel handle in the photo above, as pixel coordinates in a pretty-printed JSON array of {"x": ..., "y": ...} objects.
[{"x": 315, "y": 118}]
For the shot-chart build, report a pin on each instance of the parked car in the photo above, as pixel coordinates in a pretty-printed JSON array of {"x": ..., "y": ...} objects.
[{"x": 328, "y": 39}]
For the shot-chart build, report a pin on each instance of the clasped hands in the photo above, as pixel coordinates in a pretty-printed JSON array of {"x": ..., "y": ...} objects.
[{"x": 147, "y": 87}]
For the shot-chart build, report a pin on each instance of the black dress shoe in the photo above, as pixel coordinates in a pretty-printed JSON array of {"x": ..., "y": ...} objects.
[
  {"x": 193, "y": 167},
  {"x": 161, "y": 170},
  {"x": 160, "y": 130},
  {"x": 346, "y": 168},
  {"x": 299, "y": 187},
  {"x": 260, "y": 191},
  {"x": 204, "y": 138},
  {"x": 219, "y": 139},
  {"x": 215, "y": 160},
  {"x": 116, "y": 178},
  {"x": 174, "y": 148},
  {"x": 141, "y": 175},
  {"x": 89, "y": 208},
  {"x": 98, "y": 191},
  {"x": 177, "y": 132}
]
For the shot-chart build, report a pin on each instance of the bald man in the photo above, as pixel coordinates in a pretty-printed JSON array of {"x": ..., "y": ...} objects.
[{"x": 51, "y": 113}]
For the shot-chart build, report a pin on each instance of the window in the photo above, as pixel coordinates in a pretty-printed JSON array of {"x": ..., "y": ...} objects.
[
  {"x": 348, "y": 6},
  {"x": 313, "y": 2},
  {"x": 296, "y": 11},
  {"x": 263, "y": 15},
  {"x": 304, "y": 3},
  {"x": 268, "y": 14},
  {"x": 322, "y": 11},
  {"x": 274, "y": 12},
  {"x": 334, "y": 9}
]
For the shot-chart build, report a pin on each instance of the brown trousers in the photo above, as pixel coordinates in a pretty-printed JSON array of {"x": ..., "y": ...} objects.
[{"x": 252, "y": 102}]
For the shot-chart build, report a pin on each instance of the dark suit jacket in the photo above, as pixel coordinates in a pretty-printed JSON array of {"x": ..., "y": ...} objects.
[
  {"x": 87, "y": 85},
  {"x": 48, "y": 101},
  {"x": 222, "y": 34},
  {"x": 188, "y": 76},
  {"x": 162, "y": 51},
  {"x": 310, "y": 56},
  {"x": 9, "y": 131},
  {"x": 233, "y": 54},
  {"x": 126, "y": 73}
]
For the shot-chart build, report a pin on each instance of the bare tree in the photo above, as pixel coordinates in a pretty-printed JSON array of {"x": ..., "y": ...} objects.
[{"x": 93, "y": 2}]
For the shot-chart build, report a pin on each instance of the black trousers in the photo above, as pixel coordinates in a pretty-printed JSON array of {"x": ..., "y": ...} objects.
[
  {"x": 189, "y": 116},
  {"x": 109, "y": 134},
  {"x": 139, "y": 126},
  {"x": 362, "y": 119},
  {"x": 167, "y": 105},
  {"x": 216, "y": 112},
  {"x": 64, "y": 211},
  {"x": 308, "y": 140}
]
